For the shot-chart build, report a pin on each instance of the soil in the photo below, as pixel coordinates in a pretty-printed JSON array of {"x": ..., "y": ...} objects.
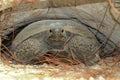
[{"x": 106, "y": 69}]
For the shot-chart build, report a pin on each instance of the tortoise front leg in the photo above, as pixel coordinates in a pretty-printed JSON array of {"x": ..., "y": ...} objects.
[
  {"x": 30, "y": 49},
  {"x": 84, "y": 49}
]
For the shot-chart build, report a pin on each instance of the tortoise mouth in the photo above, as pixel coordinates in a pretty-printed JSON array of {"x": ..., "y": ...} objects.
[
  {"x": 57, "y": 38},
  {"x": 56, "y": 45}
]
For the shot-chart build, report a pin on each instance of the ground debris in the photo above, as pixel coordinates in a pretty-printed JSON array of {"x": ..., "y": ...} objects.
[{"x": 106, "y": 69}]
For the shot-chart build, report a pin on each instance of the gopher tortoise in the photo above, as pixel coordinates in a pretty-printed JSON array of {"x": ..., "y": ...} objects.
[{"x": 65, "y": 36}]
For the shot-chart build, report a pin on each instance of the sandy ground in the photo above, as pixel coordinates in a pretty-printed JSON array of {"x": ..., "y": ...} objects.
[{"x": 107, "y": 69}]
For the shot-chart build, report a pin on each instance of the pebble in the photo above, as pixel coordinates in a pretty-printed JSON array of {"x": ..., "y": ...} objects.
[
  {"x": 91, "y": 78},
  {"x": 101, "y": 78}
]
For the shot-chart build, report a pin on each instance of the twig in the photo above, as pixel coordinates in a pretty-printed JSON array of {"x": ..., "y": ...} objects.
[
  {"x": 0, "y": 46},
  {"x": 113, "y": 17},
  {"x": 113, "y": 7},
  {"x": 112, "y": 30},
  {"x": 12, "y": 56},
  {"x": 99, "y": 26}
]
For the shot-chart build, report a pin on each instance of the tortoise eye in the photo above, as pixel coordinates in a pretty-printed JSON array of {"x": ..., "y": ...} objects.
[
  {"x": 50, "y": 30},
  {"x": 62, "y": 30}
]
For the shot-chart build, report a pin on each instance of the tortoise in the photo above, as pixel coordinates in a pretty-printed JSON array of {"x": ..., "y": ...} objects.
[{"x": 65, "y": 36}]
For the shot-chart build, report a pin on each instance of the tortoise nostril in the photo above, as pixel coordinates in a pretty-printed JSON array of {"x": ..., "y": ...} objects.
[
  {"x": 62, "y": 30},
  {"x": 50, "y": 30}
]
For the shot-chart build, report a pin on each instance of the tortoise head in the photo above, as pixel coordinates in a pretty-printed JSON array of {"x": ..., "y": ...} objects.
[
  {"x": 57, "y": 36},
  {"x": 57, "y": 33}
]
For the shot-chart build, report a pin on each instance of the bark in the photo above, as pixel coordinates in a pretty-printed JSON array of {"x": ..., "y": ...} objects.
[{"x": 20, "y": 4}]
